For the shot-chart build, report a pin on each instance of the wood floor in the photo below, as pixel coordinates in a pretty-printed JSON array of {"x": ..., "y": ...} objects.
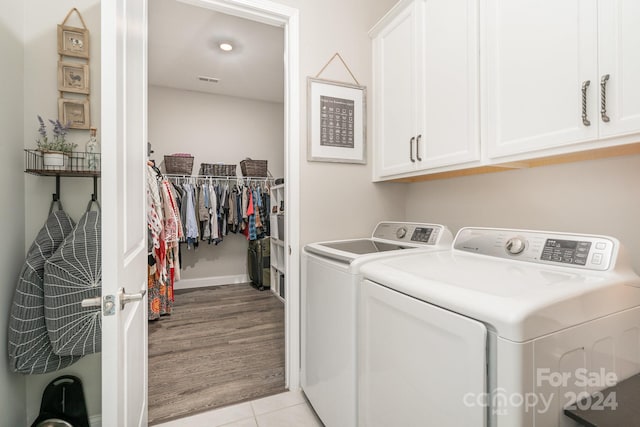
[{"x": 221, "y": 345}]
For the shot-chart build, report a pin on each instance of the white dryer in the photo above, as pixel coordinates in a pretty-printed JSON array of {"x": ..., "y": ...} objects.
[
  {"x": 330, "y": 280},
  {"x": 504, "y": 330}
]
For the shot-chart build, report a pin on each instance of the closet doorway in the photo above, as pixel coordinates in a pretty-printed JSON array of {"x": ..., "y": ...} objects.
[{"x": 221, "y": 107}]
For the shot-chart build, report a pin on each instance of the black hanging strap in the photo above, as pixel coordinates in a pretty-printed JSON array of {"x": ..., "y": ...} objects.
[
  {"x": 56, "y": 195},
  {"x": 94, "y": 196}
]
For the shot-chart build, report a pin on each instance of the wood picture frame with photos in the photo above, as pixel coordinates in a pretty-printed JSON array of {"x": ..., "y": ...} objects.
[
  {"x": 73, "y": 77},
  {"x": 73, "y": 41},
  {"x": 75, "y": 112}
]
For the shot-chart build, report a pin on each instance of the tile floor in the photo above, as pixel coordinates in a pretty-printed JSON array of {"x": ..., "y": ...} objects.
[{"x": 288, "y": 409}]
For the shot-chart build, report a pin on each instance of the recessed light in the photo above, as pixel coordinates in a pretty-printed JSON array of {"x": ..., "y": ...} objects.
[{"x": 227, "y": 47}]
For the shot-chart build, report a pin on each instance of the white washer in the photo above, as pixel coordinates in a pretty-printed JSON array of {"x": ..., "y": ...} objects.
[
  {"x": 330, "y": 280},
  {"x": 503, "y": 330}
]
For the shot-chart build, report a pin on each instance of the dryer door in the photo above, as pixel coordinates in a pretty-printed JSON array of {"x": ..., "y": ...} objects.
[{"x": 418, "y": 364}]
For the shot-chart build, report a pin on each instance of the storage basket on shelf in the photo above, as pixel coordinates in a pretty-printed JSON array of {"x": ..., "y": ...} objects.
[
  {"x": 251, "y": 167},
  {"x": 217, "y": 169},
  {"x": 179, "y": 164}
]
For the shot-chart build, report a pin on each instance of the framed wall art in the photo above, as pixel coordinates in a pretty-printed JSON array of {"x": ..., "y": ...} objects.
[
  {"x": 336, "y": 122},
  {"x": 73, "y": 77},
  {"x": 75, "y": 112},
  {"x": 73, "y": 41}
]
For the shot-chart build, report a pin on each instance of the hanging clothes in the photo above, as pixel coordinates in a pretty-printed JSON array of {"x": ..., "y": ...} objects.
[
  {"x": 211, "y": 208},
  {"x": 166, "y": 231},
  {"x": 192, "y": 222}
]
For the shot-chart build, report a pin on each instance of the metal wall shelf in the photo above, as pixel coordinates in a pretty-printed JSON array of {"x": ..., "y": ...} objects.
[{"x": 75, "y": 165}]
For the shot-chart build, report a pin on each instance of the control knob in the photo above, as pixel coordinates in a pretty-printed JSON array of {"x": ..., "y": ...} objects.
[
  {"x": 515, "y": 245},
  {"x": 401, "y": 232}
]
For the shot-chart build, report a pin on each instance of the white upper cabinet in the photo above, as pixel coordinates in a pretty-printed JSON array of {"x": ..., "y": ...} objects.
[
  {"x": 560, "y": 76},
  {"x": 619, "y": 59},
  {"x": 397, "y": 61},
  {"x": 541, "y": 64},
  {"x": 547, "y": 78},
  {"x": 425, "y": 87}
]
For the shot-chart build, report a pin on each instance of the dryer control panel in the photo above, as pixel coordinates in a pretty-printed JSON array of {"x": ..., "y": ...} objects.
[
  {"x": 416, "y": 233},
  {"x": 571, "y": 250}
]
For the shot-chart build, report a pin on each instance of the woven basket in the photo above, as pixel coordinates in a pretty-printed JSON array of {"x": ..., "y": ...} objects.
[
  {"x": 254, "y": 167},
  {"x": 178, "y": 165},
  {"x": 217, "y": 169}
]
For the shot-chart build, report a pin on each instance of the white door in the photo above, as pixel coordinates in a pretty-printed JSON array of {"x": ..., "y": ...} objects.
[
  {"x": 124, "y": 133},
  {"x": 397, "y": 60},
  {"x": 539, "y": 54},
  {"x": 619, "y": 63},
  {"x": 450, "y": 123},
  {"x": 418, "y": 365}
]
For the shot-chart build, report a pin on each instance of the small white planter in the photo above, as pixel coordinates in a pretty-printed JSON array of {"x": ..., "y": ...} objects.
[{"x": 54, "y": 160}]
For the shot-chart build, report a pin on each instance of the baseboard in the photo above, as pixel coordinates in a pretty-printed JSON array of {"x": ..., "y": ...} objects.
[
  {"x": 204, "y": 282},
  {"x": 95, "y": 421}
]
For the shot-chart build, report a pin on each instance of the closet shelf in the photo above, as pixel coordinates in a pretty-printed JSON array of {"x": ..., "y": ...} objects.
[{"x": 74, "y": 165}]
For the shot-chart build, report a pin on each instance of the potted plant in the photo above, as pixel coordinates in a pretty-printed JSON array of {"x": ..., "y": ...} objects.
[{"x": 56, "y": 149}]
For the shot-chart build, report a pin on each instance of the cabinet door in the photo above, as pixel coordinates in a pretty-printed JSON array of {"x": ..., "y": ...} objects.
[
  {"x": 619, "y": 58},
  {"x": 539, "y": 53},
  {"x": 450, "y": 119},
  {"x": 397, "y": 63}
]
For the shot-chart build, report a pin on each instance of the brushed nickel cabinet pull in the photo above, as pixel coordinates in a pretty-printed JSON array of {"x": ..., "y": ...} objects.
[
  {"x": 585, "y": 120},
  {"x": 603, "y": 98},
  {"x": 413, "y": 138},
  {"x": 418, "y": 148}
]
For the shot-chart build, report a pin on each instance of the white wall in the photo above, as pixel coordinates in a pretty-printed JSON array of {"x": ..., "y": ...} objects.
[
  {"x": 595, "y": 197},
  {"x": 216, "y": 129},
  {"x": 12, "y": 386},
  {"x": 338, "y": 200},
  {"x": 41, "y": 97}
]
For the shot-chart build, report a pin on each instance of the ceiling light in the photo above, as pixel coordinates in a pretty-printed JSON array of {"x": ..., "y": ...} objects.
[{"x": 227, "y": 47}]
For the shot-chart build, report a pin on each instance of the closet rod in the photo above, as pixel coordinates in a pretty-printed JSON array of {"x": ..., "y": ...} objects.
[{"x": 222, "y": 178}]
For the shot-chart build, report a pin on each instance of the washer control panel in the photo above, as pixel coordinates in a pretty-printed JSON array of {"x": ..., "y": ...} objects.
[
  {"x": 566, "y": 251},
  {"x": 575, "y": 250},
  {"x": 416, "y": 233}
]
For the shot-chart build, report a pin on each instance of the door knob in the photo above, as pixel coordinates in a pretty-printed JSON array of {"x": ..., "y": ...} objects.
[
  {"x": 91, "y": 302},
  {"x": 127, "y": 298},
  {"x": 108, "y": 305}
]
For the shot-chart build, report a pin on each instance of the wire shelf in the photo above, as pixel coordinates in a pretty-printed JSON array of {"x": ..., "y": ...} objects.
[{"x": 74, "y": 164}]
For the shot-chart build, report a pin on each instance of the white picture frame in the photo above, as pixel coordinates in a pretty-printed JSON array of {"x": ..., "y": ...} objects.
[{"x": 336, "y": 122}]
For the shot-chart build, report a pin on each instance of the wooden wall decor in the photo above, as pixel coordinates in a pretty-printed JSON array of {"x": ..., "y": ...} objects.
[{"x": 74, "y": 74}]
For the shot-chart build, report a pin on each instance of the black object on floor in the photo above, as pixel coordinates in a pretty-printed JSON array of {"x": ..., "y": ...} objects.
[
  {"x": 259, "y": 263},
  {"x": 615, "y": 406},
  {"x": 63, "y": 400}
]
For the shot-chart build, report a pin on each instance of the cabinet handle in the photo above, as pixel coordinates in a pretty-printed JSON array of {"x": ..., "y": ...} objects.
[
  {"x": 603, "y": 98},
  {"x": 585, "y": 120},
  {"x": 413, "y": 138},
  {"x": 418, "y": 148}
]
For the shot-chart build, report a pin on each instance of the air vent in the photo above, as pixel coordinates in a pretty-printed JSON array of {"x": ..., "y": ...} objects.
[{"x": 208, "y": 79}]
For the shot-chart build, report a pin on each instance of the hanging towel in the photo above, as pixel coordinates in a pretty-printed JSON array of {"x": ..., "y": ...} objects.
[
  {"x": 30, "y": 351},
  {"x": 72, "y": 274}
]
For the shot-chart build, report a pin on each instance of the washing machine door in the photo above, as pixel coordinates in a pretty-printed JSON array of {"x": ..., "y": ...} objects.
[{"x": 419, "y": 365}]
